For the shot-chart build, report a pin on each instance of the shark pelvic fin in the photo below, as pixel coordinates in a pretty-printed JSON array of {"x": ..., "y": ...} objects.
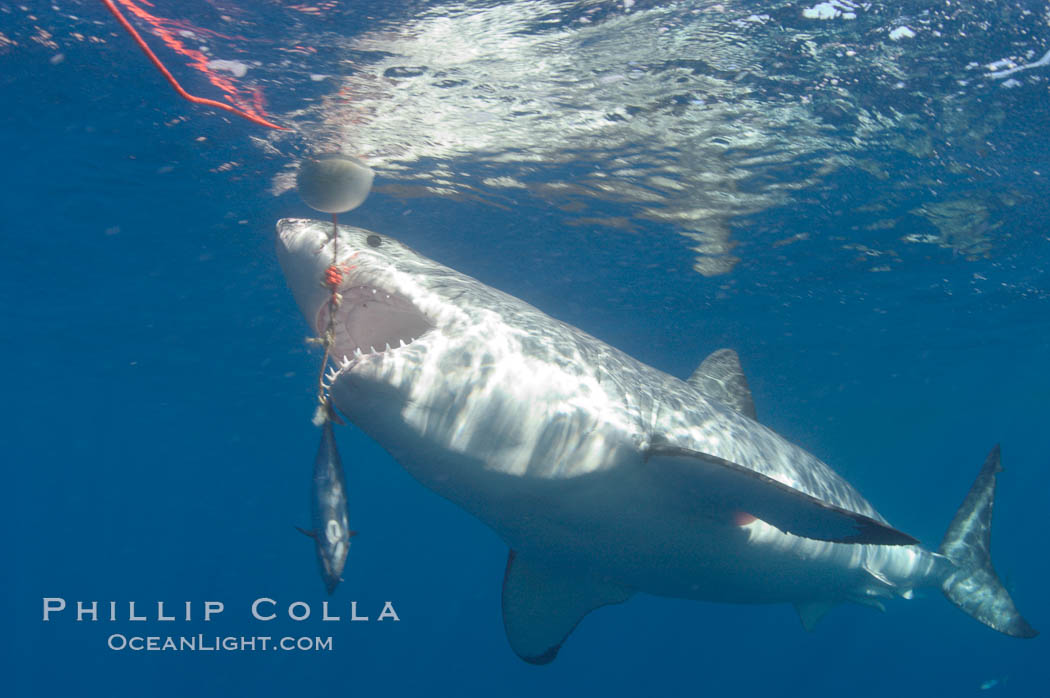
[
  {"x": 542, "y": 607},
  {"x": 713, "y": 485},
  {"x": 811, "y": 612},
  {"x": 974, "y": 586},
  {"x": 721, "y": 377}
]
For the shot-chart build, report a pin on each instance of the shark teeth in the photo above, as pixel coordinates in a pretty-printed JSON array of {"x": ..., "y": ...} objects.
[
  {"x": 349, "y": 361},
  {"x": 387, "y": 346},
  {"x": 359, "y": 353}
]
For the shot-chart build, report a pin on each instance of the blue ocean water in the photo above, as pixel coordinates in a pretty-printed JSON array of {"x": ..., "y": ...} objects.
[{"x": 863, "y": 218}]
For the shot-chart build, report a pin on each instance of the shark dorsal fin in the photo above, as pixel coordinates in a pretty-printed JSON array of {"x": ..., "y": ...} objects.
[
  {"x": 720, "y": 377},
  {"x": 541, "y": 607}
]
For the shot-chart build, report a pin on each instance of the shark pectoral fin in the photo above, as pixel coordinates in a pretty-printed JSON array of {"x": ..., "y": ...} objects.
[
  {"x": 542, "y": 607},
  {"x": 713, "y": 486},
  {"x": 309, "y": 534},
  {"x": 721, "y": 377},
  {"x": 811, "y": 612}
]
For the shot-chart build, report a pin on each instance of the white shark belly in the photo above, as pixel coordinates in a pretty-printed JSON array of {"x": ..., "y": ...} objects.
[
  {"x": 613, "y": 519},
  {"x": 614, "y": 528}
]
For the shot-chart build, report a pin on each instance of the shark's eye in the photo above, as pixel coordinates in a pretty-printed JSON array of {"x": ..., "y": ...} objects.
[{"x": 373, "y": 240}]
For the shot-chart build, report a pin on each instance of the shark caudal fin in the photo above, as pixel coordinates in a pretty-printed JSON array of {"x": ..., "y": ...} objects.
[{"x": 973, "y": 586}]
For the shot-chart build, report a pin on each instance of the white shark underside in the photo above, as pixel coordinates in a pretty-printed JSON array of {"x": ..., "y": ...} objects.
[{"x": 606, "y": 476}]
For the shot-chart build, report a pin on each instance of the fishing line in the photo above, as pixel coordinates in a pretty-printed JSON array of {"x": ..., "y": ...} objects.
[
  {"x": 175, "y": 83},
  {"x": 333, "y": 278},
  {"x": 333, "y": 183}
]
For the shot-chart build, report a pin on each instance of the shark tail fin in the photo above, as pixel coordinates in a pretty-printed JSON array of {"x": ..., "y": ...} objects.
[{"x": 973, "y": 585}]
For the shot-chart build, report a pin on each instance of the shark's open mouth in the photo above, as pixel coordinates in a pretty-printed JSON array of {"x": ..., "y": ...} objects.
[{"x": 370, "y": 320}]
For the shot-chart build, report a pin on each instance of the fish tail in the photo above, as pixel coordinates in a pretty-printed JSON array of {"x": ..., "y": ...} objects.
[{"x": 973, "y": 584}]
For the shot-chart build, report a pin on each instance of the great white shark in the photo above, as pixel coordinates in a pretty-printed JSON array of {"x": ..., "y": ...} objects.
[{"x": 603, "y": 475}]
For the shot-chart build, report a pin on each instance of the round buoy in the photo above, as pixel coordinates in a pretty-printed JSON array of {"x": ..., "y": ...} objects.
[{"x": 334, "y": 183}]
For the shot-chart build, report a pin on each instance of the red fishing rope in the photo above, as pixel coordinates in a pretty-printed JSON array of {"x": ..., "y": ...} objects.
[
  {"x": 175, "y": 83},
  {"x": 331, "y": 279}
]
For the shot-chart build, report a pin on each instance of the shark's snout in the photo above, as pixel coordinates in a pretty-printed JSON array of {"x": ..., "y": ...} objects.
[
  {"x": 289, "y": 232},
  {"x": 300, "y": 248}
]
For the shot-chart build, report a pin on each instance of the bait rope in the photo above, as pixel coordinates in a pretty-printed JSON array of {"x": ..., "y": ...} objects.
[
  {"x": 333, "y": 278},
  {"x": 171, "y": 78}
]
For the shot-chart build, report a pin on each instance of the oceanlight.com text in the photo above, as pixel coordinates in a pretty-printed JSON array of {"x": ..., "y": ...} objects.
[{"x": 216, "y": 643}]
